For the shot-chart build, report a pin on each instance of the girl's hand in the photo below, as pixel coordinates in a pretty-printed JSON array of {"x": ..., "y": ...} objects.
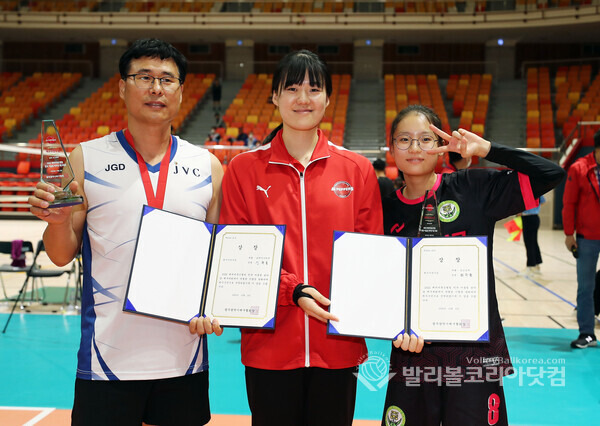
[
  {"x": 409, "y": 343},
  {"x": 467, "y": 144},
  {"x": 204, "y": 325}
]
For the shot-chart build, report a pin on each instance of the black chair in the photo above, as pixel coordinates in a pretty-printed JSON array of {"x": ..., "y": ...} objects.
[
  {"x": 7, "y": 268},
  {"x": 36, "y": 272}
]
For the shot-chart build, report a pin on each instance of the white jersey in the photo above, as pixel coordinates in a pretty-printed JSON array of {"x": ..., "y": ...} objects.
[{"x": 116, "y": 345}]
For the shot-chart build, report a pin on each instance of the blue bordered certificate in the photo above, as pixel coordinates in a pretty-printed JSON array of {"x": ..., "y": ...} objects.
[
  {"x": 436, "y": 287},
  {"x": 184, "y": 267}
]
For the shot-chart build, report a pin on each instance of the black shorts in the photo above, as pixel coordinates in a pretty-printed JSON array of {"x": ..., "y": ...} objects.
[
  {"x": 176, "y": 401},
  {"x": 301, "y": 397},
  {"x": 429, "y": 404}
]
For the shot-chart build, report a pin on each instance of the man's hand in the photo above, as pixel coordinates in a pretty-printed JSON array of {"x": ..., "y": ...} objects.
[
  {"x": 570, "y": 242},
  {"x": 41, "y": 199}
]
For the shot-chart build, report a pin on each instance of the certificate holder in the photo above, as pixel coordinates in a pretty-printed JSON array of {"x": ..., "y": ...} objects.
[
  {"x": 184, "y": 268},
  {"x": 449, "y": 289},
  {"x": 435, "y": 287}
]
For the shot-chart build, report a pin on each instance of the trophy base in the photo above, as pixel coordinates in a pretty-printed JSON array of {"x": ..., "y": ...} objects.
[{"x": 65, "y": 201}]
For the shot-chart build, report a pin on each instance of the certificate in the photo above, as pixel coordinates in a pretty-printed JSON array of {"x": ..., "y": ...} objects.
[
  {"x": 435, "y": 287},
  {"x": 184, "y": 268}
]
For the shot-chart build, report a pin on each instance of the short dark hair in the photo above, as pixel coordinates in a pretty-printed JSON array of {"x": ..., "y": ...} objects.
[
  {"x": 453, "y": 157},
  {"x": 597, "y": 139},
  {"x": 152, "y": 48},
  {"x": 379, "y": 164},
  {"x": 429, "y": 114}
]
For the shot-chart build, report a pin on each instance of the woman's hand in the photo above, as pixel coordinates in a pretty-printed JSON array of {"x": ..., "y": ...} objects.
[
  {"x": 312, "y": 308},
  {"x": 204, "y": 325},
  {"x": 409, "y": 343},
  {"x": 466, "y": 143}
]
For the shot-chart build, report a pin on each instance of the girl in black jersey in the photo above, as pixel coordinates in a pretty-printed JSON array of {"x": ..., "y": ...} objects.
[{"x": 455, "y": 383}]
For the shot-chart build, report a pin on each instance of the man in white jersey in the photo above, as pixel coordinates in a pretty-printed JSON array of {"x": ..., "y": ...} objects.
[{"x": 133, "y": 369}]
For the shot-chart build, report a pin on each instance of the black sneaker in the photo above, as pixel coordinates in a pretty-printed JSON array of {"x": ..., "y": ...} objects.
[{"x": 584, "y": 340}]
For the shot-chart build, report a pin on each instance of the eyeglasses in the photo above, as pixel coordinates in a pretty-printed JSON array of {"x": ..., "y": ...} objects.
[
  {"x": 425, "y": 142},
  {"x": 146, "y": 81}
]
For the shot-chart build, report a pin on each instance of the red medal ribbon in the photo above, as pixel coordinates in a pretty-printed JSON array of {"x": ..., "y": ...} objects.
[{"x": 157, "y": 200}]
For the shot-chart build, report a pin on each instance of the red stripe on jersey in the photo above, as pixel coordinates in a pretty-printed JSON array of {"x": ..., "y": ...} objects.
[{"x": 528, "y": 198}]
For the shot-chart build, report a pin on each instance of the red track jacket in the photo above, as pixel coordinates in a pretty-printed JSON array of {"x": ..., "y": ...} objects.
[
  {"x": 338, "y": 190},
  {"x": 581, "y": 200}
]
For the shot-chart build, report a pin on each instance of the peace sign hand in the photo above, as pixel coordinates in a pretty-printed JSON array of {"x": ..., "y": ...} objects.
[{"x": 467, "y": 144}]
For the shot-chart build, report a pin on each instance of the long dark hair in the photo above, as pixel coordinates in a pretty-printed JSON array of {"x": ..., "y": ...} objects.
[
  {"x": 292, "y": 69},
  {"x": 429, "y": 114}
]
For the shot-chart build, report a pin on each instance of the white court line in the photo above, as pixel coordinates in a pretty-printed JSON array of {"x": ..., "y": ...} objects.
[{"x": 44, "y": 412}]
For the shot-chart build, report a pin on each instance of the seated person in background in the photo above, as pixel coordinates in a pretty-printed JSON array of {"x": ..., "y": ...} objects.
[
  {"x": 242, "y": 137},
  {"x": 214, "y": 136},
  {"x": 219, "y": 122},
  {"x": 251, "y": 141}
]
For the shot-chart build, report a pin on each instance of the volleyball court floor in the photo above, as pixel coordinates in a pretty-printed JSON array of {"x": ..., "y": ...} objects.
[{"x": 553, "y": 384}]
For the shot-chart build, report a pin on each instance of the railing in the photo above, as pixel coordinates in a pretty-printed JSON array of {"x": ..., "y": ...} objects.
[
  {"x": 570, "y": 145},
  {"x": 30, "y": 66},
  {"x": 443, "y": 69}
]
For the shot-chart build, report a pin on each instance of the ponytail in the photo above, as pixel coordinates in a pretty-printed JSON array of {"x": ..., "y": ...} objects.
[{"x": 272, "y": 135}]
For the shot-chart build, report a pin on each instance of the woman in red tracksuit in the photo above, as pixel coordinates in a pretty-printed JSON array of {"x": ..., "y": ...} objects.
[{"x": 298, "y": 374}]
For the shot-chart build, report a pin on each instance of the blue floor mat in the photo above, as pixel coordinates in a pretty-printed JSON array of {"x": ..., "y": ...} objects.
[{"x": 554, "y": 384}]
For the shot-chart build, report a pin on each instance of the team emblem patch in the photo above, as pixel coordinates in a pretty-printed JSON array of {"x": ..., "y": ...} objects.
[
  {"x": 394, "y": 416},
  {"x": 448, "y": 211},
  {"x": 342, "y": 189}
]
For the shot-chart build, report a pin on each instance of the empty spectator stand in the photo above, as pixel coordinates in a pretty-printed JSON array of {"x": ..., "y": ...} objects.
[
  {"x": 26, "y": 99},
  {"x": 104, "y": 112},
  {"x": 577, "y": 98},
  {"x": 51, "y": 6},
  {"x": 540, "y": 122}
]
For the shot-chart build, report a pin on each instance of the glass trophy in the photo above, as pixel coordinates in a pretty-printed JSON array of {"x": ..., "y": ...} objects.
[
  {"x": 55, "y": 167},
  {"x": 430, "y": 221}
]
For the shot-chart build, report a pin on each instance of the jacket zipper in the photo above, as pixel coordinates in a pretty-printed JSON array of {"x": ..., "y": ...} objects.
[
  {"x": 304, "y": 251},
  {"x": 305, "y": 266}
]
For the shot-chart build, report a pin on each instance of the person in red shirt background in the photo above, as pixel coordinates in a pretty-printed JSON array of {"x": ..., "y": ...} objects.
[{"x": 581, "y": 210}]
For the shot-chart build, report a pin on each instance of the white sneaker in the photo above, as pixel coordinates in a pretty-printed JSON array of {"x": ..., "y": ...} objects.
[{"x": 531, "y": 271}]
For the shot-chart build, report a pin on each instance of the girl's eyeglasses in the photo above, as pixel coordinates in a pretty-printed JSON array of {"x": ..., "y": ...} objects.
[{"x": 425, "y": 142}]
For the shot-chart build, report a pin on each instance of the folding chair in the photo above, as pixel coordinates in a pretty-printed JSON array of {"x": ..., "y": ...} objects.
[
  {"x": 36, "y": 272},
  {"x": 6, "y": 249},
  {"x": 74, "y": 300}
]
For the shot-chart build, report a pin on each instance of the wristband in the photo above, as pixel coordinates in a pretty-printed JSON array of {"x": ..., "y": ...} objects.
[{"x": 298, "y": 292}]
